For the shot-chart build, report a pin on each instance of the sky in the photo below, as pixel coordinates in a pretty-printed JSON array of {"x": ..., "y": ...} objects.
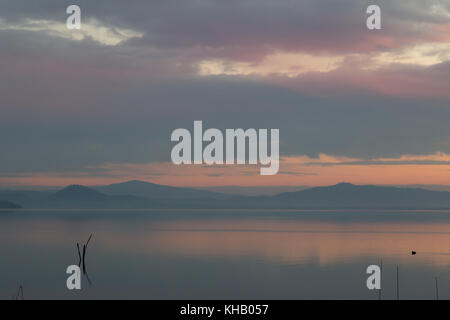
[{"x": 98, "y": 105}]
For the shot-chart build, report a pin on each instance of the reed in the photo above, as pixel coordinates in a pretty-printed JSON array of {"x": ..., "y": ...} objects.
[
  {"x": 381, "y": 279},
  {"x": 82, "y": 258},
  {"x": 19, "y": 295},
  {"x": 398, "y": 286},
  {"x": 437, "y": 290}
]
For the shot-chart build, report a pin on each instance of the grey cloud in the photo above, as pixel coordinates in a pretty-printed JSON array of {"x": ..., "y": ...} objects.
[
  {"x": 377, "y": 162},
  {"x": 247, "y": 29},
  {"x": 296, "y": 173},
  {"x": 66, "y": 105},
  {"x": 133, "y": 121}
]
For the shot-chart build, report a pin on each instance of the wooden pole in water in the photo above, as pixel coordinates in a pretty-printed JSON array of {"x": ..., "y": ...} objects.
[
  {"x": 437, "y": 291},
  {"x": 398, "y": 291},
  {"x": 381, "y": 278},
  {"x": 20, "y": 293},
  {"x": 79, "y": 255},
  {"x": 84, "y": 254}
]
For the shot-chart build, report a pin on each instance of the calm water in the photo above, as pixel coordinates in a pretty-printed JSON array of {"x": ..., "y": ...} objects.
[{"x": 225, "y": 254}]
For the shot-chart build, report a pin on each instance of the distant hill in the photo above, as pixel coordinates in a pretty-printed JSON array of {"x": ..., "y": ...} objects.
[
  {"x": 4, "y": 204},
  {"x": 25, "y": 198},
  {"x": 78, "y": 193},
  {"x": 76, "y": 196},
  {"x": 156, "y": 191},
  {"x": 348, "y": 196},
  {"x": 142, "y": 195}
]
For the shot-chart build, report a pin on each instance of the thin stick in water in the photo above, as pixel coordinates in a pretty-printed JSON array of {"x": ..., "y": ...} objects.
[
  {"x": 398, "y": 287},
  {"x": 79, "y": 255},
  {"x": 84, "y": 254},
  {"x": 437, "y": 291},
  {"x": 381, "y": 278},
  {"x": 19, "y": 295},
  {"x": 88, "y": 240}
]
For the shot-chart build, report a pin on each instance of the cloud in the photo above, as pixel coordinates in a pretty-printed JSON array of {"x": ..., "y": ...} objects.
[
  {"x": 246, "y": 29},
  {"x": 295, "y": 170},
  {"x": 355, "y": 75},
  {"x": 90, "y": 29},
  {"x": 289, "y": 64},
  {"x": 296, "y": 173},
  {"x": 69, "y": 124},
  {"x": 425, "y": 54},
  {"x": 439, "y": 158},
  {"x": 113, "y": 92}
]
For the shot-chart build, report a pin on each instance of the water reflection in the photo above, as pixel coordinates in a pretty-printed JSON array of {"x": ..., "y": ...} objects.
[
  {"x": 148, "y": 254},
  {"x": 82, "y": 259}
]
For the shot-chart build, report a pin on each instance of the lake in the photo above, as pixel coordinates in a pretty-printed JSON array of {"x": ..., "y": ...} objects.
[{"x": 214, "y": 254}]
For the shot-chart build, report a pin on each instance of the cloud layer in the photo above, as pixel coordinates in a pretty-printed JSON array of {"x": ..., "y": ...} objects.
[{"x": 113, "y": 92}]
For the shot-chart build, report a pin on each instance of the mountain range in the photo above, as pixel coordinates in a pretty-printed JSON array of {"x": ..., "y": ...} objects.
[
  {"x": 142, "y": 195},
  {"x": 4, "y": 204}
]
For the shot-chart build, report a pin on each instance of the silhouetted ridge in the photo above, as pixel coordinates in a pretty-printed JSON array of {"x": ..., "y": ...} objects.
[
  {"x": 141, "y": 195},
  {"x": 344, "y": 185},
  {"x": 78, "y": 192},
  {"x": 5, "y": 204},
  {"x": 347, "y": 195},
  {"x": 156, "y": 191}
]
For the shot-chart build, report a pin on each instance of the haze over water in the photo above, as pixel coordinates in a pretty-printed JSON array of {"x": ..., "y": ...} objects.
[{"x": 223, "y": 254}]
